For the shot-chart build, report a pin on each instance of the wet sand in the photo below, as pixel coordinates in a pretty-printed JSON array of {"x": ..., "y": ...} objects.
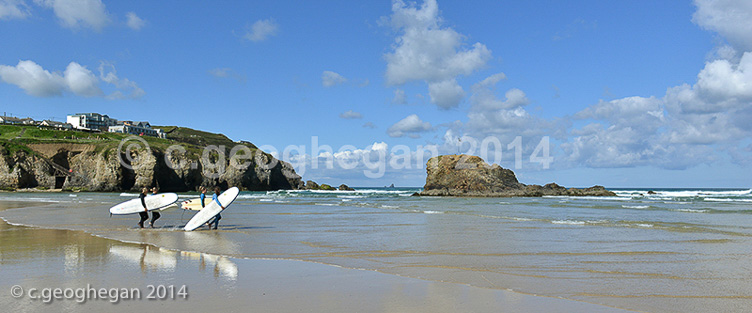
[{"x": 45, "y": 258}]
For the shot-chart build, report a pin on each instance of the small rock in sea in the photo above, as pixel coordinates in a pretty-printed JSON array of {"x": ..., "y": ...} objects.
[{"x": 344, "y": 187}]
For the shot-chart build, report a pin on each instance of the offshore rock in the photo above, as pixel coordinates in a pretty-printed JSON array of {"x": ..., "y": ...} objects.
[{"x": 470, "y": 176}]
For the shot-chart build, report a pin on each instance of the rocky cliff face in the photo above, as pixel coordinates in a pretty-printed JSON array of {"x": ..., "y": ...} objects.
[
  {"x": 82, "y": 167},
  {"x": 470, "y": 176}
]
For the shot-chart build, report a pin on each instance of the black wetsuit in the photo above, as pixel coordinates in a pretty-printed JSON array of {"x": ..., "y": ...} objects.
[
  {"x": 154, "y": 216},
  {"x": 144, "y": 214}
]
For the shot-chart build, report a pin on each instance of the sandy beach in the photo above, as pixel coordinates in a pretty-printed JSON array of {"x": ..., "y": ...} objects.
[
  {"x": 64, "y": 259},
  {"x": 377, "y": 250}
]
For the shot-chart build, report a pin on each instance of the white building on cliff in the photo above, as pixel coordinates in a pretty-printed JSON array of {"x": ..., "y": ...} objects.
[
  {"x": 91, "y": 121},
  {"x": 136, "y": 128}
]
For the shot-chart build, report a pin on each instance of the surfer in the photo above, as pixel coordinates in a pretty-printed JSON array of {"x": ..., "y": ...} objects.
[
  {"x": 202, "y": 189},
  {"x": 215, "y": 197},
  {"x": 154, "y": 214},
  {"x": 145, "y": 214}
]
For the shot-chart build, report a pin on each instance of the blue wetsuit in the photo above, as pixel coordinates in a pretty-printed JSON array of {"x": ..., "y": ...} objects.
[{"x": 218, "y": 217}]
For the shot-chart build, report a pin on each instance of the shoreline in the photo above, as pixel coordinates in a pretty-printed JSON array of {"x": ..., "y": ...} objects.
[{"x": 275, "y": 284}]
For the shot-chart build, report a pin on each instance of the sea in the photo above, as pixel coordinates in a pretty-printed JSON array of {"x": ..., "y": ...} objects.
[{"x": 667, "y": 250}]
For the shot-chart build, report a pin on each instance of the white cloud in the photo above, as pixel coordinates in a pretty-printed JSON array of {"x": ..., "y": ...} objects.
[
  {"x": 77, "y": 79},
  {"x": 33, "y": 79},
  {"x": 729, "y": 18},
  {"x": 329, "y": 79},
  {"x": 78, "y": 13},
  {"x": 446, "y": 94},
  {"x": 134, "y": 22},
  {"x": 262, "y": 30},
  {"x": 370, "y": 125},
  {"x": 10, "y": 9},
  {"x": 506, "y": 118},
  {"x": 484, "y": 96},
  {"x": 688, "y": 126},
  {"x": 108, "y": 74},
  {"x": 350, "y": 114},
  {"x": 427, "y": 52},
  {"x": 410, "y": 126},
  {"x": 721, "y": 79},
  {"x": 81, "y": 81}
]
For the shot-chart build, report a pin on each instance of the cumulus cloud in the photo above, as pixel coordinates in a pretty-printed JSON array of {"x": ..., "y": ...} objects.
[
  {"x": 37, "y": 81},
  {"x": 134, "y": 22},
  {"x": 10, "y": 9},
  {"x": 33, "y": 79},
  {"x": 410, "y": 126},
  {"x": 77, "y": 79},
  {"x": 446, "y": 94},
  {"x": 484, "y": 96},
  {"x": 350, "y": 115},
  {"x": 370, "y": 125},
  {"x": 691, "y": 124},
  {"x": 78, "y": 13},
  {"x": 262, "y": 30},
  {"x": 81, "y": 81},
  {"x": 729, "y": 18},
  {"x": 426, "y": 51},
  {"x": 329, "y": 79},
  {"x": 505, "y": 118},
  {"x": 688, "y": 126}
]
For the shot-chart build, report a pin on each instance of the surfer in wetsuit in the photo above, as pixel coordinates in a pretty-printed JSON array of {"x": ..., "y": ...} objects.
[
  {"x": 145, "y": 214},
  {"x": 155, "y": 215},
  {"x": 202, "y": 189},
  {"x": 215, "y": 197}
]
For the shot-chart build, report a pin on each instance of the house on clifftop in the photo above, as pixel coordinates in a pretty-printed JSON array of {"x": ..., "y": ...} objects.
[
  {"x": 91, "y": 121},
  {"x": 104, "y": 123},
  {"x": 136, "y": 128}
]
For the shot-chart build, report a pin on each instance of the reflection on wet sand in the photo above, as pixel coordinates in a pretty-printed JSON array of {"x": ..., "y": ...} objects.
[
  {"x": 149, "y": 257},
  {"x": 222, "y": 265},
  {"x": 79, "y": 250}
]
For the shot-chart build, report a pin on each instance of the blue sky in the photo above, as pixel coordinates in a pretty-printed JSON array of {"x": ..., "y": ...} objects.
[{"x": 627, "y": 93}]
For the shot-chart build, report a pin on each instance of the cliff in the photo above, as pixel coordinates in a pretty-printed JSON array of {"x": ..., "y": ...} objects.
[
  {"x": 470, "y": 176},
  {"x": 51, "y": 159}
]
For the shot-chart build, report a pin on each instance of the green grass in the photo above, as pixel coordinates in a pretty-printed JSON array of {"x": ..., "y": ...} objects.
[
  {"x": 193, "y": 141},
  {"x": 11, "y": 148}
]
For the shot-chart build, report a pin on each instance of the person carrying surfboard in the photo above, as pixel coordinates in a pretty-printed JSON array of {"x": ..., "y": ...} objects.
[
  {"x": 155, "y": 215},
  {"x": 215, "y": 197},
  {"x": 145, "y": 214}
]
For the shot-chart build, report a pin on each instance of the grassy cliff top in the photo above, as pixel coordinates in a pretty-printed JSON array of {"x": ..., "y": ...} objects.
[{"x": 15, "y": 137}]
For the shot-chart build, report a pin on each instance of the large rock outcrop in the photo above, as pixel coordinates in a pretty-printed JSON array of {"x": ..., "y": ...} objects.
[
  {"x": 82, "y": 167},
  {"x": 470, "y": 176}
]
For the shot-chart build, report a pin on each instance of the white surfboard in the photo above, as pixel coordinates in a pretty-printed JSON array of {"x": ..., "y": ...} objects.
[
  {"x": 170, "y": 207},
  {"x": 212, "y": 209},
  {"x": 194, "y": 204},
  {"x": 153, "y": 202}
]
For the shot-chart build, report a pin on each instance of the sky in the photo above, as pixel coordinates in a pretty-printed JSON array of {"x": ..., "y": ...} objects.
[{"x": 631, "y": 93}]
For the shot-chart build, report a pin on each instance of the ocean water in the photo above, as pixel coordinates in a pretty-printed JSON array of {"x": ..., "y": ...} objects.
[{"x": 677, "y": 250}]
